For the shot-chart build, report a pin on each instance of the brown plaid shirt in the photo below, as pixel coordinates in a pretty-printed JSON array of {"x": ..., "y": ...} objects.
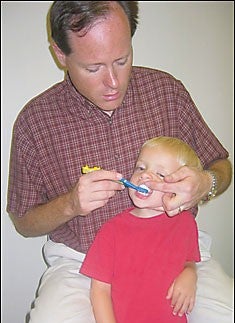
[{"x": 59, "y": 131}]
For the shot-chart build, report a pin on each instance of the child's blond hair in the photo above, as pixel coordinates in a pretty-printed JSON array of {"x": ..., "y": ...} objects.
[{"x": 185, "y": 154}]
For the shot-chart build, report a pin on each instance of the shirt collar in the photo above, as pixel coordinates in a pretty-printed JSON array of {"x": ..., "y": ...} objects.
[{"x": 86, "y": 108}]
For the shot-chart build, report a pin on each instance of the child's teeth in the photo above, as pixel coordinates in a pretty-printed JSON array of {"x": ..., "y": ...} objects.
[{"x": 146, "y": 187}]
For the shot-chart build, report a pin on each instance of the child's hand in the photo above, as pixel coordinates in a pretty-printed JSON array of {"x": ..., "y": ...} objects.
[{"x": 182, "y": 292}]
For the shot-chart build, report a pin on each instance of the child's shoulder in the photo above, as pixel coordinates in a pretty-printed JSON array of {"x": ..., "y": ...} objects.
[{"x": 187, "y": 218}]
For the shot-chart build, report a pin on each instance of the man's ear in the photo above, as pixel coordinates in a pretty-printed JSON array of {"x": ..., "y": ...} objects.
[{"x": 59, "y": 54}]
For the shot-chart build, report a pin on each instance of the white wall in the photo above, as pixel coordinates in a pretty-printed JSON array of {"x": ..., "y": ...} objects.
[{"x": 191, "y": 40}]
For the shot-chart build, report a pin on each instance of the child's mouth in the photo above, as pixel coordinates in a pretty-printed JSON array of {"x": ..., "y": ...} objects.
[{"x": 147, "y": 188}]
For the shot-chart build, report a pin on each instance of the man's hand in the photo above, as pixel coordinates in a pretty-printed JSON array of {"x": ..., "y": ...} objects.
[
  {"x": 93, "y": 190},
  {"x": 183, "y": 189}
]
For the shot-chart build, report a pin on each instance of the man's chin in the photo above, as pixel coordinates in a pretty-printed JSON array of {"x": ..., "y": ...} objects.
[{"x": 109, "y": 108}]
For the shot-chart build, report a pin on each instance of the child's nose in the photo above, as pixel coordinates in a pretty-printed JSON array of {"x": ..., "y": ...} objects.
[
  {"x": 150, "y": 175},
  {"x": 147, "y": 175}
]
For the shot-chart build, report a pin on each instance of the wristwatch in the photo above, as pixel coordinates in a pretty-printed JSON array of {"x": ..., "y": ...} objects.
[{"x": 212, "y": 193}]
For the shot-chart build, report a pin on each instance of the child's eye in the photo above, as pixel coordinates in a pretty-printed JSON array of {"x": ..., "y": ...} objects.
[
  {"x": 139, "y": 168},
  {"x": 160, "y": 175}
]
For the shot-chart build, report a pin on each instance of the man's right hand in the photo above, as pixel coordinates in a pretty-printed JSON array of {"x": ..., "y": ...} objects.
[{"x": 93, "y": 190}]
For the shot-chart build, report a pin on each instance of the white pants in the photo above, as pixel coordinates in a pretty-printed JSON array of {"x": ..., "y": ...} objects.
[{"x": 63, "y": 294}]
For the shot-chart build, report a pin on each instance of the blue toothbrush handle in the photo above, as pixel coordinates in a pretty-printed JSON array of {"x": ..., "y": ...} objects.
[{"x": 126, "y": 183}]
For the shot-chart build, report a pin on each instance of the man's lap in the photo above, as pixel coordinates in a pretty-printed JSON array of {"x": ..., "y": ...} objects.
[
  {"x": 214, "y": 299},
  {"x": 63, "y": 295}
]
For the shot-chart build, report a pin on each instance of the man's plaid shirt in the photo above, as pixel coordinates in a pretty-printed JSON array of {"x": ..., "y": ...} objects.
[{"x": 59, "y": 131}]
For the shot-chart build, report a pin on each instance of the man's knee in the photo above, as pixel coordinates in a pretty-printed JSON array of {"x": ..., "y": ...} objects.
[
  {"x": 214, "y": 299},
  {"x": 63, "y": 296}
]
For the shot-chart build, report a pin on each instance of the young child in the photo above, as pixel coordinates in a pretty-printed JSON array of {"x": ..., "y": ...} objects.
[{"x": 142, "y": 262}]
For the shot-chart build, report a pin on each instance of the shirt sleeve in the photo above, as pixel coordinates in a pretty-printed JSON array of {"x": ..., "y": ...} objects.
[
  {"x": 99, "y": 260},
  {"x": 193, "y": 251},
  {"x": 26, "y": 187},
  {"x": 195, "y": 131}
]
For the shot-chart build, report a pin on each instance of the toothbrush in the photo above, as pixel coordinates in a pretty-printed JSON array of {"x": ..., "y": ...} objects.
[
  {"x": 126, "y": 183},
  {"x": 86, "y": 169}
]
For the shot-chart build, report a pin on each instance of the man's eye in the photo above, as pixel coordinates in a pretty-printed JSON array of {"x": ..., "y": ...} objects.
[
  {"x": 92, "y": 69},
  {"x": 122, "y": 61}
]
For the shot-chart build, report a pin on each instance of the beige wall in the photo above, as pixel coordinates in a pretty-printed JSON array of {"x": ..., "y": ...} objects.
[{"x": 191, "y": 40}]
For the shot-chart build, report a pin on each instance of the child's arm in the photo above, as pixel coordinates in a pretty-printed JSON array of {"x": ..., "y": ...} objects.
[
  {"x": 183, "y": 290},
  {"x": 102, "y": 302}
]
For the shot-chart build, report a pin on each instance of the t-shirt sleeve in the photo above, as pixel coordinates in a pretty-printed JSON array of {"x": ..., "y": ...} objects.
[
  {"x": 99, "y": 260},
  {"x": 193, "y": 252}
]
